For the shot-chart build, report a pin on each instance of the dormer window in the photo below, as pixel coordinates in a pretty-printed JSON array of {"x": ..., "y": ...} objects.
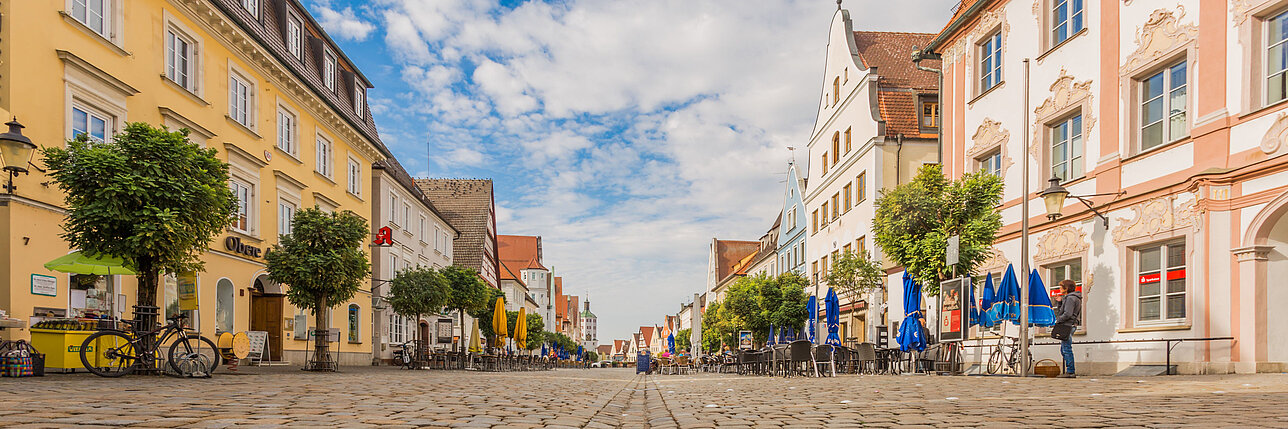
[
  {"x": 295, "y": 37},
  {"x": 929, "y": 114},
  {"x": 359, "y": 97}
]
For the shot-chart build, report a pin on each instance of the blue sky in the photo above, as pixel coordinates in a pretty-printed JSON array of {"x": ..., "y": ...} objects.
[{"x": 626, "y": 133}]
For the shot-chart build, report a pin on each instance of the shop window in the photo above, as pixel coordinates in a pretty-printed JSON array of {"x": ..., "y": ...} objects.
[
  {"x": 990, "y": 62},
  {"x": 1277, "y": 58},
  {"x": 92, "y": 296},
  {"x": 1161, "y": 282},
  {"x": 1066, "y": 19},
  {"x": 224, "y": 305},
  {"x": 180, "y": 296},
  {"x": 91, "y": 122},
  {"x": 354, "y": 319},
  {"x": 1163, "y": 106},
  {"x": 1066, "y": 148}
]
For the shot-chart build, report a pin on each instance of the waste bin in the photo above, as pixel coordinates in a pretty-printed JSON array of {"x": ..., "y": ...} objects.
[{"x": 642, "y": 363}]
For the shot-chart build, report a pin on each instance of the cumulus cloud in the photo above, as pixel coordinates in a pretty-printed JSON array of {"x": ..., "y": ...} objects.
[
  {"x": 625, "y": 133},
  {"x": 344, "y": 23}
]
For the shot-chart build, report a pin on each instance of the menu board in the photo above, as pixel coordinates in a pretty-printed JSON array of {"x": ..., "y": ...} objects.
[{"x": 953, "y": 305}]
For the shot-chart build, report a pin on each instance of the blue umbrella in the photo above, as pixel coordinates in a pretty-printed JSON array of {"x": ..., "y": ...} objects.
[
  {"x": 1040, "y": 311},
  {"x": 833, "y": 309},
  {"x": 791, "y": 334},
  {"x": 812, "y": 306},
  {"x": 670, "y": 343},
  {"x": 782, "y": 335},
  {"x": 579, "y": 353},
  {"x": 1006, "y": 305},
  {"x": 544, "y": 352},
  {"x": 986, "y": 303},
  {"x": 770, "y": 340},
  {"x": 974, "y": 306},
  {"x": 910, "y": 335}
]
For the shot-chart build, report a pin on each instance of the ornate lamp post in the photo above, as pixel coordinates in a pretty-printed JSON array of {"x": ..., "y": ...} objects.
[
  {"x": 16, "y": 151},
  {"x": 1054, "y": 196}
]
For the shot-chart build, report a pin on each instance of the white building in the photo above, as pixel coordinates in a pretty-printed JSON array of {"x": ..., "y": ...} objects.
[{"x": 590, "y": 328}]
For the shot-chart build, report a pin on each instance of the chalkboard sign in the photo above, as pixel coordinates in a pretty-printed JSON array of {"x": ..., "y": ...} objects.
[{"x": 443, "y": 330}]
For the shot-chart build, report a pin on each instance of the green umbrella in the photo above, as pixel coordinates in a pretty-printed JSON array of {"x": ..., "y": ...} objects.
[{"x": 78, "y": 263}]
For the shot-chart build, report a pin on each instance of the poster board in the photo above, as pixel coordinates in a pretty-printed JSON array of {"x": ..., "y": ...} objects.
[
  {"x": 746, "y": 341},
  {"x": 954, "y": 310}
]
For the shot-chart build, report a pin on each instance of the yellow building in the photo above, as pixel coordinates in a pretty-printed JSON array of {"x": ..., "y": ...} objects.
[{"x": 257, "y": 80}]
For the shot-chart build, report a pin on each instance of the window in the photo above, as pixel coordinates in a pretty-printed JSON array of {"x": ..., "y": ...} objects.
[
  {"x": 328, "y": 70},
  {"x": 393, "y": 266},
  {"x": 836, "y": 147},
  {"x": 848, "y": 191},
  {"x": 1277, "y": 58},
  {"x": 848, "y": 144},
  {"x": 836, "y": 205},
  {"x": 324, "y": 156},
  {"x": 180, "y": 57},
  {"x": 991, "y": 163},
  {"x": 836, "y": 90},
  {"x": 251, "y": 6},
  {"x": 825, "y": 214},
  {"x": 286, "y": 135},
  {"x": 824, "y": 164},
  {"x": 354, "y": 318},
  {"x": 295, "y": 37},
  {"x": 421, "y": 229},
  {"x": 861, "y": 187},
  {"x": 438, "y": 233},
  {"x": 393, "y": 211},
  {"x": 285, "y": 212},
  {"x": 359, "y": 97},
  {"x": 241, "y": 219},
  {"x": 91, "y": 123},
  {"x": 1162, "y": 109},
  {"x": 94, "y": 14},
  {"x": 990, "y": 63},
  {"x": 224, "y": 305},
  {"x": 814, "y": 270},
  {"x": 240, "y": 100},
  {"x": 929, "y": 114},
  {"x": 181, "y": 296},
  {"x": 1066, "y": 149},
  {"x": 846, "y": 248},
  {"x": 861, "y": 247},
  {"x": 1066, "y": 19},
  {"x": 1161, "y": 282},
  {"x": 407, "y": 215},
  {"x": 814, "y": 223},
  {"x": 396, "y": 323},
  {"x": 355, "y": 178},
  {"x": 1067, "y": 270}
]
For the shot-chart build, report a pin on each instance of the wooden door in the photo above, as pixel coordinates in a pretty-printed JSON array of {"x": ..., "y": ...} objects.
[{"x": 266, "y": 315}]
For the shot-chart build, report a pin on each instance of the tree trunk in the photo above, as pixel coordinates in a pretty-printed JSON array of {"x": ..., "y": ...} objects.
[
  {"x": 461, "y": 344},
  {"x": 145, "y": 309},
  {"x": 322, "y": 338}
]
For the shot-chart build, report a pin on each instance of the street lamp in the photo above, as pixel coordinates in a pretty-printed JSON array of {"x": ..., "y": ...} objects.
[
  {"x": 16, "y": 151},
  {"x": 1054, "y": 196}
]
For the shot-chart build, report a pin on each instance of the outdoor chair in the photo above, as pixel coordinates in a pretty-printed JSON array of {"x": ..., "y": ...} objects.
[
  {"x": 866, "y": 357},
  {"x": 823, "y": 355},
  {"x": 799, "y": 355},
  {"x": 746, "y": 359},
  {"x": 780, "y": 356},
  {"x": 842, "y": 358}
]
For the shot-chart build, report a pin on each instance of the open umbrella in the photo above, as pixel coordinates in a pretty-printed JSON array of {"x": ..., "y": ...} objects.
[
  {"x": 1040, "y": 311},
  {"x": 80, "y": 263},
  {"x": 521, "y": 330},
  {"x": 670, "y": 343},
  {"x": 476, "y": 346},
  {"x": 812, "y": 306},
  {"x": 499, "y": 322},
  {"x": 910, "y": 335},
  {"x": 833, "y": 309}
]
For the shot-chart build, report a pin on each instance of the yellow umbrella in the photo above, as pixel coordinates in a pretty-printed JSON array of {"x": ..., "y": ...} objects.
[
  {"x": 521, "y": 330},
  {"x": 475, "y": 345},
  {"x": 498, "y": 321}
]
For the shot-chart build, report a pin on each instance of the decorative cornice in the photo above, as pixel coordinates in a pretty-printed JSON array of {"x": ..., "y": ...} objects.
[
  {"x": 72, "y": 60},
  {"x": 995, "y": 261},
  {"x": 1275, "y": 136},
  {"x": 1161, "y": 35},
  {"x": 190, "y": 125},
  {"x": 989, "y": 136},
  {"x": 1252, "y": 253},
  {"x": 1065, "y": 93},
  {"x": 1060, "y": 242},
  {"x": 233, "y": 149},
  {"x": 1156, "y": 216}
]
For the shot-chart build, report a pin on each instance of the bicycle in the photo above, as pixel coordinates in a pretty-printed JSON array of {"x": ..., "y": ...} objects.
[
  {"x": 409, "y": 356},
  {"x": 1008, "y": 360},
  {"x": 116, "y": 352}
]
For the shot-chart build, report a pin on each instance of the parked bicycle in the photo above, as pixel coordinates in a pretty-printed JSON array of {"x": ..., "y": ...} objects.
[
  {"x": 116, "y": 352},
  {"x": 1006, "y": 357},
  {"x": 409, "y": 356}
]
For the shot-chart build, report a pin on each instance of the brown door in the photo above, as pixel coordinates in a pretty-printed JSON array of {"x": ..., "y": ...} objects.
[{"x": 266, "y": 315}]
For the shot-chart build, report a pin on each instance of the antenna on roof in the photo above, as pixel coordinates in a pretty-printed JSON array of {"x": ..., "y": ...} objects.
[{"x": 838, "y": 4}]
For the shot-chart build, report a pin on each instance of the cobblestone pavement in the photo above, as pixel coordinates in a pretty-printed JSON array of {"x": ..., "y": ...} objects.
[{"x": 600, "y": 398}]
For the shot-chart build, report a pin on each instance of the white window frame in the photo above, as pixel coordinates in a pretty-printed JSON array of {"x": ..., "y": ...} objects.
[
  {"x": 991, "y": 163},
  {"x": 329, "y": 67},
  {"x": 1167, "y": 99},
  {"x": 81, "y": 11},
  {"x": 295, "y": 36},
  {"x": 186, "y": 74},
  {"x": 990, "y": 61},
  {"x": 1073, "y": 22},
  {"x": 1074, "y": 147},
  {"x": 421, "y": 230},
  {"x": 1165, "y": 267},
  {"x": 325, "y": 154},
  {"x": 395, "y": 327},
  {"x": 393, "y": 208},
  {"x": 242, "y": 98},
  {"x": 286, "y": 211},
  {"x": 251, "y": 6},
  {"x": 245, "y": 206},
  {"x": 1281, "y": 73},
  {"x": 354, "y": 178},
  {"x": 91, "y": 115},
  {"x": 407, "y": 217},
  {"x": 288, "y": 131},
  {"x": 359, "y": 97}
]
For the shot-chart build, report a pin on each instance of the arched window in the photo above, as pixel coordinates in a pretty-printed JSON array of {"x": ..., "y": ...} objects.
[
  {"x": 224, "y": 305},
  {"x": 354, "y": 318}
]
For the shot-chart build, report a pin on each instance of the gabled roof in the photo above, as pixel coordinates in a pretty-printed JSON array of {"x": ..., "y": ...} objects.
[
  {"x": 647, "y": 333},
  {"x": 899, "y": 82},
  {"x": 521, "y": 251},
  {"x": 729, "y": 253},
  {"x": 509, "y": 273},
  {"x": 467, "y": 204},
  {"x": 604, "y": 350}
]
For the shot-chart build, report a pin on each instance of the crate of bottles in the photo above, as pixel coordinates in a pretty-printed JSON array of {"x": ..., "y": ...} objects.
[{"x": 60, "y": 340}]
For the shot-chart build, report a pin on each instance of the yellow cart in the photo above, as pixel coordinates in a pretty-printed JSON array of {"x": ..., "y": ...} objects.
[{"x": 61, "y": 348}]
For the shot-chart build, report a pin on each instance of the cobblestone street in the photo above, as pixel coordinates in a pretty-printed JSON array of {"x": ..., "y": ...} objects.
[{"x": 387, "y": 397}]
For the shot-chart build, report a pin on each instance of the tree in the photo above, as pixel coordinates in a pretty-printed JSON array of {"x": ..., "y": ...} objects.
[
  {"x": 561, "y": 340},
  {"x": 483, "y": 313},
  {"x": 466, "y": 293},
  {"x": 416, "y": 291},
  {"x": 592, "y": 356},
  {"x": 914, "y": 220},
  {"x": 746, "y": 305},
  {"x": 718, "y": 327},
  {"x": 324, "y": 263},
  {"x": 536, "y": 327},
  {"x": 854, "y": 275},
  {"x": 682, "y": 340},
  {"x": 790, "y": 309},
  {"x": 149, "y": 196}
]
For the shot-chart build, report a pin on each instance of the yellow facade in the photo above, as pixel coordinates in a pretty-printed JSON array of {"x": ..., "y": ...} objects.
[{"x": 57, "y": 72}]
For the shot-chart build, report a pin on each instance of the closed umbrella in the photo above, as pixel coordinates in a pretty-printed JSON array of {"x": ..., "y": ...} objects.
[
  {"x": 521, "y": 330},
  {"x": 791, "y": 334},
  {"x": 476, "y": 345},
  {"x": 812, "y": 306},
  {"x": 910, "y": 334},
  {"x": 499, "y": 322},
  {"x": 782, "y": 335},
  {"x": 544, "y": 350},
  {"x": 580, "y": 352},
  {"x": 670, "y": 343},
  {"x": 772, "y": 338},
  {"x": 1040, "y": 311},
  {"x": 80, "y": 263},
  {"x": 1007, "y": 301},
  {"x": 986, "y": 303},
  {"x": 833, "y": 310}
]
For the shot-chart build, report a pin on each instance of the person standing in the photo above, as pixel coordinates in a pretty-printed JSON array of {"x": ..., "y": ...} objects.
[{"x": 1067, "y": 321}]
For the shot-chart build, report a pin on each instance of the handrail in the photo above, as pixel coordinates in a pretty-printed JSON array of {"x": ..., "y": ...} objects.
[{"x": 1169, "y": 345}]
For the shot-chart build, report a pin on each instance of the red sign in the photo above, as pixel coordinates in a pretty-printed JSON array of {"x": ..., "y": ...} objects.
[
  {"x": 384, "y": 237},
  {"x": 1177, "y": 274}
]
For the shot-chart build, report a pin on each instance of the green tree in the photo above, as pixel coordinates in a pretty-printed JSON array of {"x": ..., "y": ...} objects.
[
  {"x": 682, "y": 340},
  {"x": 484, "y": 313},
  {"x": 592, "y": 356},
  {"x": 719, "y": 327},
  {"x": 536, "y": 327},
  {"x": 323, "y": 262},
  {"x": 561, "y": 340},
  {"x": 747, "y": 305},
  {"x": 417, "y": 290},
  {"x": 854, "y": 275},
  {"x": 914, "y": 220},
  {"x": 148, "y": 195},
  {"x": 789, "y": 309},
  {"x": 466, "y": 293}
]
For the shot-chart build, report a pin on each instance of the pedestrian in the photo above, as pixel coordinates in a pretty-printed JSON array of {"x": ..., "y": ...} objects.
[{"x": 1067, "y": 320}]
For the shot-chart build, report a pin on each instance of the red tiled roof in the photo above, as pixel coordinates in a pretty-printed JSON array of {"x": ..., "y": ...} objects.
[
  {"x": 647, "y": 332},
  {"x": 520, "y": 251},
  {"x": 604, "y": 351},
  {"x": 899, "y": 82},
  {"x": 560, "y": 301},
  {"x": 730, "y": 252},
  {"x": 468, "y": 205},
  {"x": 510, "y": 273}
]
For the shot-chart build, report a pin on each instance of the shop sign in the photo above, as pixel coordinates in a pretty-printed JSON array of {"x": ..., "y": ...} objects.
[
  {"x": 187, "y": 289},
  {"x": 444, "y": 329},
  {"x": 384, "y": 237},
  {"x": 235, "y": 245},
  {"x": 44, "y": 285},
  {"x": 1150, "y": 278}
]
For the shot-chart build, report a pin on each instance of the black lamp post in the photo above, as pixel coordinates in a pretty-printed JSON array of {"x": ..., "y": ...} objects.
[
  {"x": 16, "y": 150},
  {"x": 1054, "y": 196}
]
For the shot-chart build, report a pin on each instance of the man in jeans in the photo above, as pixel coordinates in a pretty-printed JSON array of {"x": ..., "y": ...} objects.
[{"x": 1070, "y": 313}]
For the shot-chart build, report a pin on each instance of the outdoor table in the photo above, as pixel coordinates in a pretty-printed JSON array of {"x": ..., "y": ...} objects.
[{"x": 887, "y": 358}]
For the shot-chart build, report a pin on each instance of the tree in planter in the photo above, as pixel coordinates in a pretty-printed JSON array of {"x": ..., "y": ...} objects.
[
  {"x": 466, "y": 293},
  {"x": 323, "y": 262},
  {"x": 854, "y": 275},
  {"x": 417, "y": 291},
  {"x": 147, "y": 195},
  {"x": 914, "y": 220}
]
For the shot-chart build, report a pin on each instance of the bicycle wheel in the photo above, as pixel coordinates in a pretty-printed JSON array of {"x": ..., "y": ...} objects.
[
  {"x": 193, "y": 356},
  {"x": 109, "y": 353},
  {"x": 995, "y": 361}
]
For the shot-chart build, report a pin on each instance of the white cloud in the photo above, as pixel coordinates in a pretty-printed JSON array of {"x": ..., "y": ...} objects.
[{"x": 344, "y": 24}]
